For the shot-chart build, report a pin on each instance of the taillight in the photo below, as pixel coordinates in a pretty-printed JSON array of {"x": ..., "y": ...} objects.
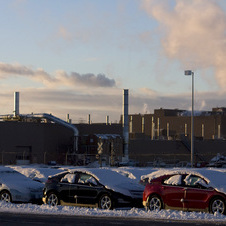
[{"x": 51, "y": 180}]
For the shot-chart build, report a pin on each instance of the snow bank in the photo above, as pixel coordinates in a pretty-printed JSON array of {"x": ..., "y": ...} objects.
[{"x": 124, "y": 213}]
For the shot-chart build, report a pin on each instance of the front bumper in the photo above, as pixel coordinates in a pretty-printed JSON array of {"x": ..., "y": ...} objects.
[
  {"x": 44, "y": 199},
  {"x": 145, "y": 203}
]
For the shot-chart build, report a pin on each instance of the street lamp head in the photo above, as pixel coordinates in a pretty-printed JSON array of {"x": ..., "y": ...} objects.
[{"x": 188, "y": 72}]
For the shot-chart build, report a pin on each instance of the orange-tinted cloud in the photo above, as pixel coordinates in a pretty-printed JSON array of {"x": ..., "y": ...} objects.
[{"x": 193, "y": 32}]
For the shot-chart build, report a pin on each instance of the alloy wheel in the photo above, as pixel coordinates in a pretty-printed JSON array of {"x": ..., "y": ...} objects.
[
  {"x": 105, "y": 202},
  {"x": 218, "y": 206},
  {"x": 155, "y": 203},
  {"x": 5, "y": 196},
  {"x": 52, "y": 199}
]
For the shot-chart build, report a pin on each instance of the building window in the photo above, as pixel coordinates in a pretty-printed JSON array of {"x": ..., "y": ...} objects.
[
  {"x": 219, "y": 132},
  {"x": 167, "y": 130},
  {"x": 203, "y": 127},
  {"x": 186, "y": 129},
  {"x": 143, "y": 125},
  {"x": 131, "y": 124}
]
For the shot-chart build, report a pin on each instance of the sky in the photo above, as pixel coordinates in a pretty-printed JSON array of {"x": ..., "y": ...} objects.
[{"x": 76, "y": 56}]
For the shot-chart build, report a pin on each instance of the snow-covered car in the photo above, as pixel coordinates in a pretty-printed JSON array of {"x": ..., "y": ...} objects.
[
  {"x": 101, "y": 188},
  {"x": 15, "y": 187},
  {"x": 186, "y": 191}
]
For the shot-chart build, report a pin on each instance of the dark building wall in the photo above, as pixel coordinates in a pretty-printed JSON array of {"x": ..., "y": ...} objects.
[
  {"x": 174, "y": 151},
  {"x": 99, "y": 128},
  {"x": 36, "y": 142}
]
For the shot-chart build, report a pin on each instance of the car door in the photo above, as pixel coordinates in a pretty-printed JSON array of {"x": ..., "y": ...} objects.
[
  {"x": 88, "y": 189},
  {"x": 197, "y": 193},
  {"x": 173, "y": 192},
  {"x": 67, "y": 188}
]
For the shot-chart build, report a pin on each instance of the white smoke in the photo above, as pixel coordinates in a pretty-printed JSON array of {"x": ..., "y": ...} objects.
[
  {"x": 193, "y": 33},
  {"x": 146, "y": 109}
]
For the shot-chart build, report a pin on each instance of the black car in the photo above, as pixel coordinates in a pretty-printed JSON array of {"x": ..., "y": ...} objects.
[{"x": 82, "y": 188}]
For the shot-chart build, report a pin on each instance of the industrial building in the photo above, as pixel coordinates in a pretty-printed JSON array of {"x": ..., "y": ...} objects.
[
  {"x": 150, "y": 139},
  {"x": 44, "y": 138},
  {"x": 164, "y": 136}
]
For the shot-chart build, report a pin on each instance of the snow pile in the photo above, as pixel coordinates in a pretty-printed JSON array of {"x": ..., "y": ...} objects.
[
  {"x": 37, "y": 172},
  {"x": 174, "y": 180},
  {"x": 13, "y": 180},
  {"x": 124, "y": 213}
]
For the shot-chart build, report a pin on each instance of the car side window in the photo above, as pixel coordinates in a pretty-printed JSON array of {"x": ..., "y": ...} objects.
[
  {"x": 174, "y": 180},
  {"x": 87, "y": 179},
  {"x": 68, "y": 178},
  {"x": 195, "y": 182}
]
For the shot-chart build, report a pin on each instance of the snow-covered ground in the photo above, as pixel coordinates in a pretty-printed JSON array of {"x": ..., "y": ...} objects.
[{"x": 217, "y": 178}]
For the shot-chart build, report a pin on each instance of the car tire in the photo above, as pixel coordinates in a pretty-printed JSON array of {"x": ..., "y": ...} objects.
[
  {"x": 5, "y": 196},
  {"x": 217, "y": 205},
  {"x": 155, "y": 203},
  {"x": 105, "y": 202},
  {"x": 52, "y": 199}
]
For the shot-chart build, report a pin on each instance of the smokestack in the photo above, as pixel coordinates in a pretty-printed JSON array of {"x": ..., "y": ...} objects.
[
  {"x": 16, "y": 104},
  {"x": 125, "y": 123},
  {"x": 107, "y": 120},
  {"x": 88, "y": 119},
  {"x": 68, "y": 120}
]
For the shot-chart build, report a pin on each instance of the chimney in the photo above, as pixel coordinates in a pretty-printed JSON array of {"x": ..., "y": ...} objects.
[
  {"x": 16, "y": 104},
  {"x": 88, "y": 119},
  {"x": 107, "y": 120},
  {"x": 68, "y": 120},
  {"x": 125, "y": 124}
]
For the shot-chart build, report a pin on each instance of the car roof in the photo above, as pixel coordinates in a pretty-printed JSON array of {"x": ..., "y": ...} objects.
[{"x": 161, "y": 174}]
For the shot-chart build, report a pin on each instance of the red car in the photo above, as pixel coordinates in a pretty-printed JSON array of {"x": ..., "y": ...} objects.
[{"x": 188, "y": 192}]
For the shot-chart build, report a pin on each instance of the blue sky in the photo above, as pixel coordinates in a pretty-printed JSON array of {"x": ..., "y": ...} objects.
[{"x": 76, "y": 56}]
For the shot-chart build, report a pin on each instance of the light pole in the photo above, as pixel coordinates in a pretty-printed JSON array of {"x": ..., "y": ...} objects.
[{"x": 189, "y": 72}]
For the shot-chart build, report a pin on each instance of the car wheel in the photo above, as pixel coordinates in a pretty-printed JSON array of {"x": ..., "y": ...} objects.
[
  {"x": 155, "y": 203},
  {"x": 5, "y": 196},
  {"x": 52, "y": 199},
  {"x": 217, "y": 205},
  {"x": 105, "y": 202}
]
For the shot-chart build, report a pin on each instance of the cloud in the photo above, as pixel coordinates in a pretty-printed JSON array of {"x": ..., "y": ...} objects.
[
  {"x": 193, "y": 32},
  {"x": 64, "y": 33},
  {"x": 147, "y": 91},
  {"x": 61, "y": 78},
  {"x": 89, "y": 79}
]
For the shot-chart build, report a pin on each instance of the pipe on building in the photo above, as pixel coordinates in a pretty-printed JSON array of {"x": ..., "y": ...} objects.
[
  {"x": 107, "y": 120},
  {"x": 89, "y": 119},
  {"x": 125, "y": 123},
  {"x": 61, "y": 122}
]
